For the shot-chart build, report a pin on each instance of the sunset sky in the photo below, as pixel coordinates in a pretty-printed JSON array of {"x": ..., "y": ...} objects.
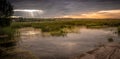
[{"x": 67, "y": 8}]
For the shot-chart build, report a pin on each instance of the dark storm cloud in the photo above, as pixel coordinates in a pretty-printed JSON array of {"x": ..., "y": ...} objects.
[{"x": 54, "y": 8}]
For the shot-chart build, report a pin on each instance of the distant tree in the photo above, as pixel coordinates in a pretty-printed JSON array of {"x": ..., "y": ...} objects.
[{"x": 6, "y": 10}]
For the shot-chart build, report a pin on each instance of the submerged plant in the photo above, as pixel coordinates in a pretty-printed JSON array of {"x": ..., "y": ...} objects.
[
  {"x": 119, "y": 29},
  {"x": 110, "y": 40}
]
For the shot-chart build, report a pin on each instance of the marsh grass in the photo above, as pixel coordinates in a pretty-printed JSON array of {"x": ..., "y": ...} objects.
[
  {"x": 47, "y": 26},
  {"x": 7, "y": 35},
  {"x": 7, "y": 30},
  {"x": 59, "y": 27}
]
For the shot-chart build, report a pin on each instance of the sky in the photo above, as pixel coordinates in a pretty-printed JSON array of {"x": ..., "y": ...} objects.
[{"x": 67, "y": 8}]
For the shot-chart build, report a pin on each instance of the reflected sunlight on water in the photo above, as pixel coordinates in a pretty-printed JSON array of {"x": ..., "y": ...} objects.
[{"x": 71, "y": 44}]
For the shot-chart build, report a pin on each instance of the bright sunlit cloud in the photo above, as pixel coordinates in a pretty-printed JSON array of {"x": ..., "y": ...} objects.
[
  {"x": 109, "y": 11},
  {"x": 98, "y": 14},
  {"x": 29, "y": 13},
  {"x": 29, "y": 10}
]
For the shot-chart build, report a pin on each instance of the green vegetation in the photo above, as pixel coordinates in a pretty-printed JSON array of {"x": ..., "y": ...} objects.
[
  {"x": 47, "y": 26},
  {"x": 58, "y": 27},
  {"x": 6, "y": 10},
  {"x": 6, "y": 32},
  {"x": 54, "y": 28},
  {"x": 7, "y": 40}
]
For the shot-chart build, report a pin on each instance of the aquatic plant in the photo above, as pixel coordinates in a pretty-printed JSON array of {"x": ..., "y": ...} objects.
[
  {"x": 57, "y": 25},
  {"x": 119, "y": 29},
  {"x": 110, "y": 40}
]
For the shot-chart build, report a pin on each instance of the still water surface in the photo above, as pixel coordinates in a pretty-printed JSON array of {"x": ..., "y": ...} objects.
[{"x": 72, "y": 43}]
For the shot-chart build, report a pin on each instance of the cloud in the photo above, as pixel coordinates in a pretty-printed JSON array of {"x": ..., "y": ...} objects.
[
  {"x": 28, "y": 10},
  {"x": 29, "y": 13},
  {"x": 98, "y": 14},
  {"x": 55, "y": 8}
]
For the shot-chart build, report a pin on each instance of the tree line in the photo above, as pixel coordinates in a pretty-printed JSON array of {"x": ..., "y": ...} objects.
[{"x": 6, "y": 10}]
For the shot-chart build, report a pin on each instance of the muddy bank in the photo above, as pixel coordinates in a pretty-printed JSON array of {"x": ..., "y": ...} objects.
[
  {"x": 17, "y": 54},
  {"x": 109, "y": 51}
]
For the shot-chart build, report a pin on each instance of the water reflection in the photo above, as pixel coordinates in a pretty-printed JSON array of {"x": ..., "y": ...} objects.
[
  {"x": 66, "y": 42},
  {"x": 62, "y": 32},
  {"x": 9, "y": 49},
  {"x": 60, "y": 44}
]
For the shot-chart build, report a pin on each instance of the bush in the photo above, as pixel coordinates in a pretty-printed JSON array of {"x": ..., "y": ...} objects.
[{"x": 4, "y": 22}]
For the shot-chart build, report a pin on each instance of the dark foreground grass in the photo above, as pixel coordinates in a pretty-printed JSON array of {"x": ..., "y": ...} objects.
[
  {"x": 7, "y": 34},
  {"x": 7, "y": 40}
]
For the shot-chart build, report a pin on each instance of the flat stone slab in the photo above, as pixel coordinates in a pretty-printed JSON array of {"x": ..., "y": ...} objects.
[{"x": 109, "y": 51}]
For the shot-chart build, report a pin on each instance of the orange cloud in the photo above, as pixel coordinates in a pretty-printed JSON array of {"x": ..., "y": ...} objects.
[{"x": 98, "y": 14}]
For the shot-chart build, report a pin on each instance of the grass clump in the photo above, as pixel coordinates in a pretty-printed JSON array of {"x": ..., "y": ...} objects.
[
  {"x": 58, "y": 25},
  {"x": 7, "y": 34}
]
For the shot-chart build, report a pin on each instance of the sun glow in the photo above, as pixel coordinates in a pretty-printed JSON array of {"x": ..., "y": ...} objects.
[
  {"x": 99, "y": 14},
  {"x": 30, "y": 13},
  {"x": 28, "y": 10}
]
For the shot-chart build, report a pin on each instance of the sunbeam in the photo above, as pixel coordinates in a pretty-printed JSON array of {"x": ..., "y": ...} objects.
[{"x": 31, "y": 13}]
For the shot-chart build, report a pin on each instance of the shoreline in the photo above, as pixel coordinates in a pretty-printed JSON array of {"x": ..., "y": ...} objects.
[{"x": 108, "y": 51}]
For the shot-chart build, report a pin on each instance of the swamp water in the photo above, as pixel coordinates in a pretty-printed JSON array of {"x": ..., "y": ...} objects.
[{"x": 65, "y": 44}]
